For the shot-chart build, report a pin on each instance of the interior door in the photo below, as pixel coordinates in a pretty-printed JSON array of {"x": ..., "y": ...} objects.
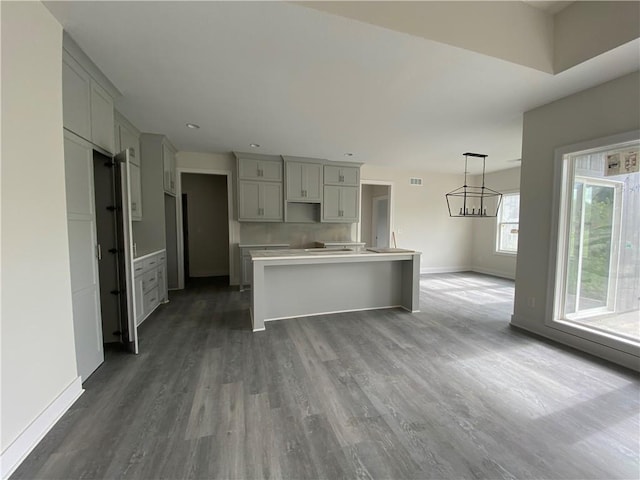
[
  {"x": 380, "y": 221},
  {"x": 83, "y": 254},
  {"x": 128, "y": 328}
]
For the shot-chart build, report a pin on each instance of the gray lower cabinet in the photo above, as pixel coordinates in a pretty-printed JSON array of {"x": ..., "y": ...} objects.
[
  {"x": 260, "y": 201},
  {"x": 340, "y": 204},
  {"x": 246, "y": 270},
  {"x": 150, "y": 284}
]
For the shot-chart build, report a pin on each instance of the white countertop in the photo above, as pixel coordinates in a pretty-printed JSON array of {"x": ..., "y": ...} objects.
[
  {"x": 260, "y": 245},
  {"x": 320, "y": 253}
]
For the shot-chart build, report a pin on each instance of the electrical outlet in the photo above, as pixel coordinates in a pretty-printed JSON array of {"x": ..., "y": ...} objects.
[{"x": 531, "y": 302}]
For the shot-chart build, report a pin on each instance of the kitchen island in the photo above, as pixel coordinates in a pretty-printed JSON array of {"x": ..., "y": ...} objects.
[{"x": 307, "y": 282}]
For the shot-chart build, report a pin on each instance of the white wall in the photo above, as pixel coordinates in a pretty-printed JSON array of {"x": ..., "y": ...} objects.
[
  {"x": 421, "y": 220},
  {"x": 208, "y": 224},
  {"x": 483, "y": 249},
  {"x": 38, "y": 352},
  {"x": 584, "y": 30},
  {"x": 607, "y": 109}
]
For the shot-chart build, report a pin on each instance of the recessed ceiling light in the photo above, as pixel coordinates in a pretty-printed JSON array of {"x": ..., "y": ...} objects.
[
  {"x": 348, "y": 154},
  {"x": 254, "y": 145},
  {"x": 193, "y": 125}
]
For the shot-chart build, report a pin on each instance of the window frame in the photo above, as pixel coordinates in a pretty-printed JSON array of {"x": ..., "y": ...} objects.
[
  {"x": 497, "y": 250},
  {"x": 557, "y": 248}
]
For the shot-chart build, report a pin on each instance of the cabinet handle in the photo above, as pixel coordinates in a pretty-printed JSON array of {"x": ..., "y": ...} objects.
[
  {"x": 133, "y": 152},
  {"x": 134, "y": 206}
]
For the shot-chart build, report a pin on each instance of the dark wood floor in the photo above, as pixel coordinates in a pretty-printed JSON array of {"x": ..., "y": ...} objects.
[{"x": 451, "y": 392}]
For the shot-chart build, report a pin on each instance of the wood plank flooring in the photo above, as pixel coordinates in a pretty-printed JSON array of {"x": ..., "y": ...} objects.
[{"x": 451, "y": 392}]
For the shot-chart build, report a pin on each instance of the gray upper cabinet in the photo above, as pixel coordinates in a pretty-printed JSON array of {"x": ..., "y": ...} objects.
[
  {"x": 101, "y": 118},
  {"x": 261, "y": 168},
  {"x": 260, "y": 191},
  {"x": 341, "y": 175},
  {"x": 87, "y": 108},
  {"x": 340, "y": 204},
  {"x": 304, "y": 182},
  {"x": 259, "y": 201},
  {"x": 127, "y": 136},
  {"x": 76, "y": 97},
  {"x": 169, "y": 168}
]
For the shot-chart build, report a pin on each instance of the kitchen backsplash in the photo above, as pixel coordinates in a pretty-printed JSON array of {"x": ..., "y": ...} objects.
[{"x": 297, "y": 235}]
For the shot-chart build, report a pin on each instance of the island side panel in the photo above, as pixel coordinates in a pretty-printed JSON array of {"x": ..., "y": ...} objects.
[
  {"x": 411, "y": 283},
  {"x": 258, "y": 297},
  {"x": 313, "y": 289}
]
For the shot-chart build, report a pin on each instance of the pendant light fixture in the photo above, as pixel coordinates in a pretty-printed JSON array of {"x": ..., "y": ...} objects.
[{"x": 473, "y": 201}]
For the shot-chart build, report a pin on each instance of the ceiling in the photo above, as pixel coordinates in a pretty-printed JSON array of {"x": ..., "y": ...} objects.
[{"x": 303, "y": 82}]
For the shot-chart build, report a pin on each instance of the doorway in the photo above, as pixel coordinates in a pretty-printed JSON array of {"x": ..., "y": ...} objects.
[
  {"x": 107, "y": 250},
  {"x": 205, "y": 226},
  {"x": 376, "y": 214}
]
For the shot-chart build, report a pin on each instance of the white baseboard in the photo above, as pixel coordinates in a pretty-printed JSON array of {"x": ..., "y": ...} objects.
[
  {"x": 495, "y": 273},
  {"x": 22, "y": 446},
  {"x": 425, "y": 270},
  {"x": 579, "y": 343}
]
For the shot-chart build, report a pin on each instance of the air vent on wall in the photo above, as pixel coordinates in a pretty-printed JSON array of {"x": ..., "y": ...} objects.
[{"x": 415, "y": 182}]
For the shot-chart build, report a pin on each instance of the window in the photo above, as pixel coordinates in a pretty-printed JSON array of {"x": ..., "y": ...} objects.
[
  {"x": 508, "y": 223},
  {"x": 598, "y": 264}
]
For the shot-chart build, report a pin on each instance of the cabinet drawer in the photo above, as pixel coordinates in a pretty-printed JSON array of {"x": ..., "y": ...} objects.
[
  {"x": 151, "y": 300},
  {"x": 150, "y": 281}
]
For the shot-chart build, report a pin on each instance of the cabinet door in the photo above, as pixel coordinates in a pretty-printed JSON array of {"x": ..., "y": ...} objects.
[
  {"x": 168, "y": 163},
  {"x": 304, "y": 182},
  {"x": 312, "y": 182},
  {"x": 101, "y": 117},
  {"x": 295, "y": 190},
  {"x": 76, "y": 97},
  {"x": 260, "y": 201},
  {"x": 340, "y": 204},
  {"x": 331, "y": 203},
  {"x": 163, "y": 293},
  {"x": 139, "y": 294},
  {"x": 130, "y": 140},
  {"x": 136, "y": 192},
  {"x": 349, "y": 205},
  {"x": 248, "y": 201},
  {"x": 263, "y": 170},
  {"x": 83, "y": 254},
  {"x": 337, "y": 175},
  {"x": 271, "y": 201},
  {"x": 247, "y": 272}
]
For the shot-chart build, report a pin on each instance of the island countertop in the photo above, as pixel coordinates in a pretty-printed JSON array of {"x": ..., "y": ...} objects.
[{"x": 328, "y": 253}]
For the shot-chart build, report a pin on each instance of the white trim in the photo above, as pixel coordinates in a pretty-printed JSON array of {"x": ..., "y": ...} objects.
[
  {"x": 584, "y": 337},
  {"x": 179, "y": 233},
  {"x": 392, "y": 202},
  {"x": 427, "y": 270},
  {"x": 21, "y": 447},
  {"x": 494, "y": 273}
]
